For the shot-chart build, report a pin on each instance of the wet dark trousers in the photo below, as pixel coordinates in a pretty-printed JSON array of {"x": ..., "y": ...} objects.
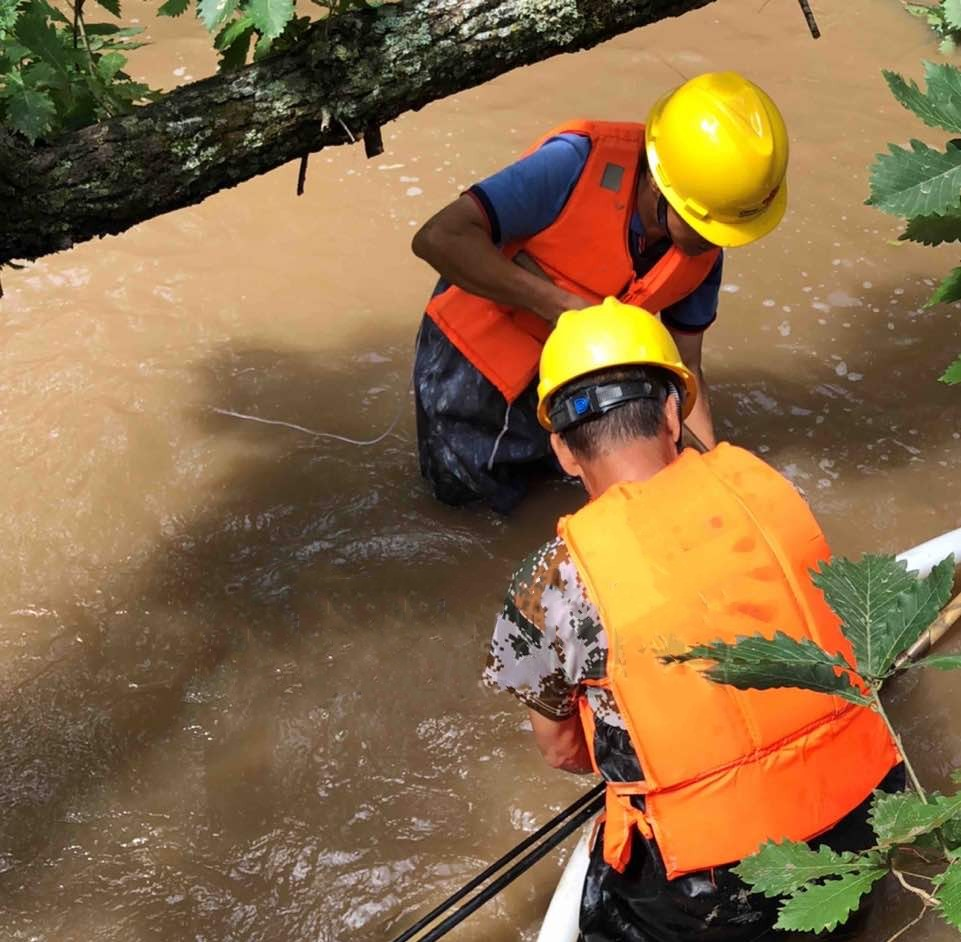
[
  {"x": 471, "y": 445},
  {"x": 642, "y": 905}
]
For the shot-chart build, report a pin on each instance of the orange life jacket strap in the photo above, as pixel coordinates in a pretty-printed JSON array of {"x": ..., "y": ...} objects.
[{"x": 620, "y": 816}]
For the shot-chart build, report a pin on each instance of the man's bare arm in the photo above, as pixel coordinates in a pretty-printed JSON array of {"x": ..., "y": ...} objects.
[
  {"x": 456, "y": 242},
  {"x": 700, "y": 420},
  {"x": 562, "y": 743}
]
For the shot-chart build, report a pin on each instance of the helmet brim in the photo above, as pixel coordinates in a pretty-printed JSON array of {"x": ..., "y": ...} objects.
[{"x": 727, "y": 235}]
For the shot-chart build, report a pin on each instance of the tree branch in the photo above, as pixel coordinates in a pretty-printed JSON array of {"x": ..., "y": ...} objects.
[{"x": 359, "y": 71}]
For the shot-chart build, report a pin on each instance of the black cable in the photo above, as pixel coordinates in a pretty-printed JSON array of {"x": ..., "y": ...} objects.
[
  {"x": 525, "y": 863},
  {"x": 594, "y": 798}
]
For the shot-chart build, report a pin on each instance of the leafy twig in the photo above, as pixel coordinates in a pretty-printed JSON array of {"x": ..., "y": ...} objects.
[
  {"x": 929, "y": 900},
  {"x": 911, "y": 924},
  {"x": 915, "y": 781}
]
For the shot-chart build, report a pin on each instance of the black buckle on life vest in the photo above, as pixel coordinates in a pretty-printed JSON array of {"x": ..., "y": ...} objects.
[{"x": 593, "y": 401}]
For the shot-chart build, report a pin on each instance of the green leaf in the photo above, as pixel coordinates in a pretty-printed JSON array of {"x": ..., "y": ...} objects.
[
  {"x": 934, "y": 230},
  {"x": 941, "y": 662},
  {"x": 916, "y": 182},
  {"x": 270, "y": 16},
  {"x": 952, "y": 375},
  {"x": 948, "y": 291},
  {"x": 50, "y": 12},
  {"x": 214, "y": 12},
  {"x": 111, "y": 6},
  {"x": 262, "y": 47},
  {"x": 824, "y": 906},
  {"x": 109, "y": 64},
  {"x": 760, "y": 663},
  {"x": 883, "y": 608},
  {"x": 234, "y": 43},
  {"x": 37, "y": 34},
  {"x": 41, "y": 75},
  {"x": 948, "y": 894},
  {"x": 173, "y": 8},
  {"x": 940, "y": 105},
  {"x": 778, "y": 869},
  {"x": 902, "y": 817},
  {"x": 232, "y": 32},
  {"x": 952, "y": 13},
  {"x": 9, "y": 11},
  {"x": 30, "y": 111},
  {"x": 127, "y": 93}
]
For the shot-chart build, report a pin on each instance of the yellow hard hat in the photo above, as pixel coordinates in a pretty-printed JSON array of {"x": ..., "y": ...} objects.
[
  {"x": 608, "y": 335},
  {"x": 718, "y": 149}
]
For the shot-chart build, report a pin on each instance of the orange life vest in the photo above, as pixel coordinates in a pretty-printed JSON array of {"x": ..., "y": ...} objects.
[
  {"x": 718, "y": 546},
  {"x": 585, "y": 251}
]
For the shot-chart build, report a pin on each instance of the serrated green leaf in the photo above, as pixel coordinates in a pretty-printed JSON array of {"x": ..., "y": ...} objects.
[
  {"x": 262, "y": 47},
  {"x": 759, "y": 663},
  {"x": 270, "y": 17},
  {"x": 939, "y": 106},
  {"x": 213, "y": 13},
  {"x": 952, "y": 13},
  {"x": 952, "y": 375},
  {"x": 948, "y": 291},
  {"x": 232, "y": 32},
  {"x": 131, "y": 92},
  {"x": 917, "y": 182},
  {"x": 234, "y": 44},
  {"x": 948, "y": 894},
  {"x": 49, "y": 11},
  {"x": 36, "y": 33},
  {"x": 111, "y": 6},
  {"x": 941, "y": 662},
  {"x": 173, "y": 8},
  {"x": 825, "y": 906},
  {"x": 41, "y": 75},
  {"x": 112, "y": 30},
  {"x": 883, "y": 608},
  {"x": 934, "y": 230},
  {"x": 902, "y": 817},
  {"x": 109, "y": 64},
  {"x": 778, "y": 869},
  {"x": 9, "y": 11},
  {"x": 30, "y": 111}
]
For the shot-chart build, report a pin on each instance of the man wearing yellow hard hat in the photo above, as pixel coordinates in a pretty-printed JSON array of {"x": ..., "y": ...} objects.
[
  {"x": 675, "y": 550},
  {"x": 593, "y": 209}
]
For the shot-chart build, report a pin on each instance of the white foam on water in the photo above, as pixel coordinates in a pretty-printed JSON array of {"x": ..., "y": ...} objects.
[
  {"x": 730, "y": 288},
  {"x": 414, "y": 191},
  {"x": 768, "y": 302},
  {"x": 784, "y": 329}
]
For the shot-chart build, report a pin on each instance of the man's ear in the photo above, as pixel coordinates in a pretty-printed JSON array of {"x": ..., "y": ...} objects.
[
  {"x": 566, "y": 457},
  {"x": 672, "y": 418}
]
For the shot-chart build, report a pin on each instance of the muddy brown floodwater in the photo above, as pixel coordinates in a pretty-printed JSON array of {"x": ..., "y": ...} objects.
[{"x": 239, "y": 664}]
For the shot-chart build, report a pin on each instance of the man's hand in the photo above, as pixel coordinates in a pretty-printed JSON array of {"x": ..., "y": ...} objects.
[
  {"x": 699, "y": 421},
  {"x": 562, "y": 743}
]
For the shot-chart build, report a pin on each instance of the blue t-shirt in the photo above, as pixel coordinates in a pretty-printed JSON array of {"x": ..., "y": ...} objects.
[{"x": 528, "y": 196}]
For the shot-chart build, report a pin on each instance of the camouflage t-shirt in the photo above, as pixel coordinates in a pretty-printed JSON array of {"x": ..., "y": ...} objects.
[{"x": 548, "y": 640}]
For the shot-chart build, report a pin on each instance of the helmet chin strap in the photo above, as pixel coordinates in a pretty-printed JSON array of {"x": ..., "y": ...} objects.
[{"x": 662, "y": 212}]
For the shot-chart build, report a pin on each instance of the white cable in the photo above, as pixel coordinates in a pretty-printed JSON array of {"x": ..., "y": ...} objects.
[
  {"x": 500, "y": 435},
  {"x": 309, "y": 431}
]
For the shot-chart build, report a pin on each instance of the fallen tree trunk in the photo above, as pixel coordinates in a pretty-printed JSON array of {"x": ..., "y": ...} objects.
[{"x": 364, "y": 71}]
